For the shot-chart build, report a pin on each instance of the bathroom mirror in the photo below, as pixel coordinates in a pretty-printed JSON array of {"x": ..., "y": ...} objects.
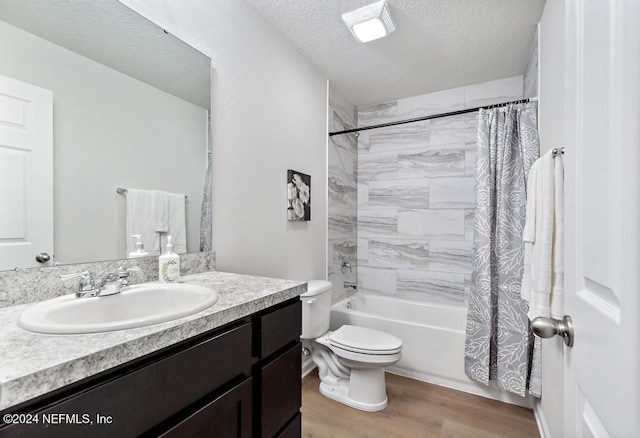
[{"x": 131, "y": 108}]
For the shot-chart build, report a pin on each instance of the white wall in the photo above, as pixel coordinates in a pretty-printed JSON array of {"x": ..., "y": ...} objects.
[
  {"x": 101, "y": 117},
  {"x": 551, "y": 127},
  {"x": 269, "y": 114}
]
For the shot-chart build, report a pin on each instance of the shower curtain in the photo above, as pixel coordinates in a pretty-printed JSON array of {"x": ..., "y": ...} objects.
[
  {"x": 206, "y": 213},
  {"x": 499, "y": 342}
]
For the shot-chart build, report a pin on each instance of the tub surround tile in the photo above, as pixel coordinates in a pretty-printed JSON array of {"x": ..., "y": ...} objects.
[
  {"x": 64, "y": 359},
  {"x": 416, "y": 193},
  {"x": 393, "y": 253},
  {"x": 470, "y": 154},
  {"x": 469, "y": 223},
  {"x": 432, "y": 103},
  {"x": 378, "y": 223},
  {"x": 450, "y": 256},
  {"x": 376, "y": 166},
  {"x": 462, "y": 128},
  {"x": 29, "y": 285},
  {"x": 363, "y": 196},
  {"x": 342, "y": 193},
  {"x": 377, "y": 113},
  {"x": 400, "y": 194},
  {"x": 397, "y": 137},
  {"x": 455, "y": 192},
  {"x": 530, "y": 80},
  {"x": 432, "y": 161},
  {"x": 431, "y": 224},
  {"x": 362, "y": 251},
  {"x": 342, "y": 223},
  {"x": 378, "y": 281},
  {"x": 431, "y": 286},
  {"x": 492, "y": 92}
]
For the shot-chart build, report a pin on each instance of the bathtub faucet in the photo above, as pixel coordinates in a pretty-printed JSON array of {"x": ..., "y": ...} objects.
[{"x": 345, "y": 265}]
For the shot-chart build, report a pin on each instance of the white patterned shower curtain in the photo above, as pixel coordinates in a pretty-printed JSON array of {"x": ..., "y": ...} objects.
[{"x": 499, "y": 342}]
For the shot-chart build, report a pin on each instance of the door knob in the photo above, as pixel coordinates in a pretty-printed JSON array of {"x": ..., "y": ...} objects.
[
  {"x": 43, "y": 257},
  {"x": 547, "y": 327}
]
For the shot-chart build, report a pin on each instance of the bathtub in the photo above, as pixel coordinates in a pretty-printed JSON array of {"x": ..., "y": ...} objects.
[{"x": 432, "y": 340}]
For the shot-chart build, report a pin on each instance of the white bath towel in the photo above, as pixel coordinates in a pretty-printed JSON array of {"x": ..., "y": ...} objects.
[
  {"x": 161, "y": 203},
  {"x": 557, "y": 291},
  {"x": 543, "y": 238},
  {"x": 141, "y": 219},
  {"x": 177, "y": 226}
]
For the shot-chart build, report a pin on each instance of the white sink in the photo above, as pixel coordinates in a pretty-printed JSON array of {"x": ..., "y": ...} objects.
[{"x": 141, "y": 305}]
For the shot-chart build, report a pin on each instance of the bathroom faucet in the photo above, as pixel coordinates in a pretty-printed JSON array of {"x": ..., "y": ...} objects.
[{"x": 112, "y": 283}]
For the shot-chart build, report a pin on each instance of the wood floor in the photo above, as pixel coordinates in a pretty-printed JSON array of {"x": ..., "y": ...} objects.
[{"x": 416, "y": 409}]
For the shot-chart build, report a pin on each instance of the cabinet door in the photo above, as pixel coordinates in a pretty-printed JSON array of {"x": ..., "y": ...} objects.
[
  {"x": 228, "y": 416},
  {"x": 281, "y": 391}
]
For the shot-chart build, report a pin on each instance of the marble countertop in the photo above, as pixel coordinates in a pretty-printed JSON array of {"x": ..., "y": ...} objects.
[{"x": 33, "y": 364}]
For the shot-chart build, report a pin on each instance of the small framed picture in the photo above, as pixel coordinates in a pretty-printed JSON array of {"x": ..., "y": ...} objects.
[{"x": 299, "y": 196}]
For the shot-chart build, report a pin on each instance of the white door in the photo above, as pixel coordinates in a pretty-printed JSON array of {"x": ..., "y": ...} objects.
[
  {"x": 602, "y": 174},
  {"x": 26, "y": 174}
]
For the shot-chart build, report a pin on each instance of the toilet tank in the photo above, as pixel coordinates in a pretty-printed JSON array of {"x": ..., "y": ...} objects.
[{"x": 316, "y": 309}]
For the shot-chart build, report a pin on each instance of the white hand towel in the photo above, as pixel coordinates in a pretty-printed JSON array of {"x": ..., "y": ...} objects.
[
  {"x": 177, "y": 223},
  {"x": 140, "y": 219},
  {"x": 557, "y": 291},
  {"x": 161, "y": 205}
]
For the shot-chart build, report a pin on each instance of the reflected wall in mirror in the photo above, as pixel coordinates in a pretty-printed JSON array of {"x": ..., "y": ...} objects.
[{"x": 130, "y": 109}]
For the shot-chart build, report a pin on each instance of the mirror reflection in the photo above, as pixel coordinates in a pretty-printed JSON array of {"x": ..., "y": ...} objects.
[{"x": 128, "y": 108}]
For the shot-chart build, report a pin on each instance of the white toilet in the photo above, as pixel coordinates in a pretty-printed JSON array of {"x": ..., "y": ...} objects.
[{"x": 351, "y": 359}]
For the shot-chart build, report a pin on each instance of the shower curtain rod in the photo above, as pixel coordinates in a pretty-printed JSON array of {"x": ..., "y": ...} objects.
[{"x": 433, "y": 116}]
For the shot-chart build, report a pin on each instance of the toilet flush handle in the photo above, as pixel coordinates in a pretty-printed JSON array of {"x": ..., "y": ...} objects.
[{"x": 311, "y": 301}]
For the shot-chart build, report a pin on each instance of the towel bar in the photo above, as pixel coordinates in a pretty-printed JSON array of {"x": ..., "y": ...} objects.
[{"x": 123, "y": 191}]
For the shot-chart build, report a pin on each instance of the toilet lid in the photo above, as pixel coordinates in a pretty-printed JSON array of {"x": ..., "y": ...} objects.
[{"x": 364, "y": 339}]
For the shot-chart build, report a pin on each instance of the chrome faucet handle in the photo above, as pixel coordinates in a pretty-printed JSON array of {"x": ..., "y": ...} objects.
[
  {"x": 345, "y": 265},
  {"x": 87, "y": 283},
  {"x": 123, "y": 274}
]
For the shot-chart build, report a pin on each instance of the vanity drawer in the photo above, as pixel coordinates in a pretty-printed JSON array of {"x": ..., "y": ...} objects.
[
  {"x": 281, "y": 391},
  {"x": 278, "y": 327},
  {"x": 229, "y": 415},
  {"x": 141, "y": 398}
]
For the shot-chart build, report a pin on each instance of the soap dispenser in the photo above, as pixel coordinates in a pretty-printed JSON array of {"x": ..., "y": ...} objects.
[
  {"x": 139, "y": 247},
  {"x": 169, "y": 264}
]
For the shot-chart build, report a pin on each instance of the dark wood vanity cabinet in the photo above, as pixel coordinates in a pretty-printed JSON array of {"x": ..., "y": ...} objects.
[{"x": 240, "y": 380}]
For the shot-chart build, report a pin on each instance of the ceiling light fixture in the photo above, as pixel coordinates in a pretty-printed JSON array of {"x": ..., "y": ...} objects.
[{"x": 370, "y": 22}]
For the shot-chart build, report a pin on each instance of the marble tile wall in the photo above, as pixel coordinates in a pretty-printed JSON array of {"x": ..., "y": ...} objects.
[
  {"x": 342, "y": 205},
  {"x": 415, "y": 193},
  {"x": 530, "y": 80},
  {"x": 22, "y": 286}
]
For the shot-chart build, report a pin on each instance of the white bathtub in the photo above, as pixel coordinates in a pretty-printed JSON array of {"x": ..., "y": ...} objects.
[{"x": 432, "y": 339}]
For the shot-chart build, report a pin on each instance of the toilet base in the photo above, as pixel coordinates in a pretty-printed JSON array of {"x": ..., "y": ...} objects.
[{"x": 364, "y": 390}]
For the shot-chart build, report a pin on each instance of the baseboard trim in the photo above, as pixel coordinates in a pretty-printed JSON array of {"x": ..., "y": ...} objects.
[{"x": 540, "y": 420}]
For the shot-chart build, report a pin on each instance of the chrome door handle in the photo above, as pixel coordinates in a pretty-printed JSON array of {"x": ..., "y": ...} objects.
[
  {"x": 43, "y": 257},
  {"x": 547, "y": 327}
]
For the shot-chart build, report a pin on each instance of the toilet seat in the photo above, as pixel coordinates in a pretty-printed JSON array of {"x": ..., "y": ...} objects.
[{"x": 364, "y": 340}]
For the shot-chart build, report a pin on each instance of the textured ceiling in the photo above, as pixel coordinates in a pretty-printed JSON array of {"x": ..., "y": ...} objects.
[
  {"x": 438, "y": 44},
  {"x": 112, "y": 34}
]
